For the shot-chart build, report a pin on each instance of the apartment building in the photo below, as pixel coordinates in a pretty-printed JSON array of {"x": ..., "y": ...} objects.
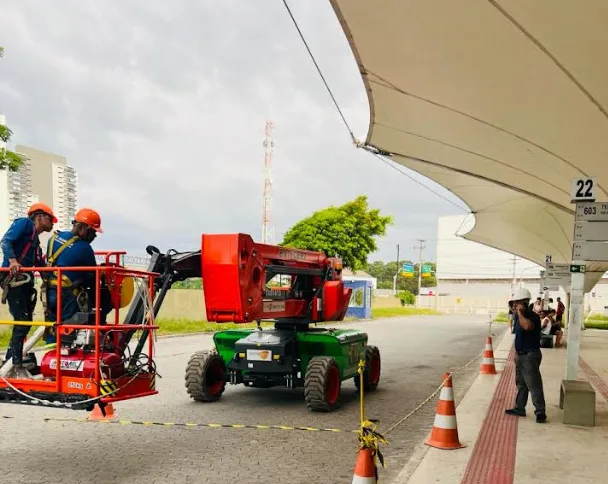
[
  {"x": 44, "y": 177},
  {"x": 49, "y": 179}
]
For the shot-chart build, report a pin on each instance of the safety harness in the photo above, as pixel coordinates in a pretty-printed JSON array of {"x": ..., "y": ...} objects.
[
  {"x": 66, "y": 283},
  {"x": 9, "y": 281}
]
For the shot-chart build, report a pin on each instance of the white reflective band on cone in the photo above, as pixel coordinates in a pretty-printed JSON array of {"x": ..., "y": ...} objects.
[
  {"x": 488, "y": 347},
  {"x": 488, "y": 361},
  {"x": 364, "y": 480},
  {"x": 447, "y": 393},
  {"x": 447, "y": 422}
]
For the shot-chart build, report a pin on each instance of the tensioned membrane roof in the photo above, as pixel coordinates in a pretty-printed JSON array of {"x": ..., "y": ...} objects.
[{"x": 504, "y": 103}]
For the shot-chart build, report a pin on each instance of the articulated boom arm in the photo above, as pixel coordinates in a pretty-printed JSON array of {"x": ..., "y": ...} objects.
[{"x": 236, "y": 272}]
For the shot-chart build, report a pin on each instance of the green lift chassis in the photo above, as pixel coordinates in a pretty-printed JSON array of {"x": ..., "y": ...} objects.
[{"x": 318, "y": 359}]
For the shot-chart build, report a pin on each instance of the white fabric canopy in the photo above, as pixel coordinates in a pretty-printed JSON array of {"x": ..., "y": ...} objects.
[{"x": 503, "y": 103}]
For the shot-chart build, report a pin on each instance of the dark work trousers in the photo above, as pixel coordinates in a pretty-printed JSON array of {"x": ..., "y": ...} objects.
[
  {"x": 21, "y": 304},
  {"x": 69, "y": 307},
  {"x": 529, "y": 380}
]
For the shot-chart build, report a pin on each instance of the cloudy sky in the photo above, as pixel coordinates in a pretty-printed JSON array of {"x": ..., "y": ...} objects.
[{"x": 161, "y": 108}]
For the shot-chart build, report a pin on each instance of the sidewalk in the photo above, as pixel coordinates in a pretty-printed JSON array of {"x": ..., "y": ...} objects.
[{"x": 502, "y": 449}]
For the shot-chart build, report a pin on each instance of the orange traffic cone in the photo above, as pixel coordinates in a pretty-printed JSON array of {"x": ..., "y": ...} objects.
[
  {"x": 487, "y": 364},
  {"x": 97, "y": 414},
  {"x": 445, "y": 428},
  {"x": 365, "y": 468}
]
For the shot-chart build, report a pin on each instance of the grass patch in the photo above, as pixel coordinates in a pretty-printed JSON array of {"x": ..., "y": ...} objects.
[
  {"x": 596, "y": 324},
  {"x": 186, "y": 326},
  {"x": 597, "y": 321},
  {"x": 5, "y": 336},
  {"x": 501, "y": 318},
  {"x": 598, "y": 317},
  {"x": 190, "y": 326},
  {"x": 402, "y": 311}
]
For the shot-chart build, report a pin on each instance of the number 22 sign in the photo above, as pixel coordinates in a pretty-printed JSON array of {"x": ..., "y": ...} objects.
[{"x": 583, "y": 190}]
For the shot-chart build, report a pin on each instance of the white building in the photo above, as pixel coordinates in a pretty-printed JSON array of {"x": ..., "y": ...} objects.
[
  {"x": 474, "y": 276},
  {"x": 43, "y": 177},
  {"x": 461, "y": 259}
]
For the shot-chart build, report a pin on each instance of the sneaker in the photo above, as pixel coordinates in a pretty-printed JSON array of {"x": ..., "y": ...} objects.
[
  {"x": 515, "y": 411},
  {"x": 541, "y": 418}
]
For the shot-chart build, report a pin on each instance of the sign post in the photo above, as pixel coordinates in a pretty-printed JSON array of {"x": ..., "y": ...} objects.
[{"x": 590, "y": 230}]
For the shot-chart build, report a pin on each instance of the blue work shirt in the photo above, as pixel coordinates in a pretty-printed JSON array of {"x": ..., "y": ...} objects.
[
  {"x": 78, "y": 254},
  {"x": 527, "y": 340},
  {"x": 20, "y": 234}
]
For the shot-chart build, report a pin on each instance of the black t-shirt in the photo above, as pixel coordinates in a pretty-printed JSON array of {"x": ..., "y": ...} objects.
[{"x": 528, "y": 340}]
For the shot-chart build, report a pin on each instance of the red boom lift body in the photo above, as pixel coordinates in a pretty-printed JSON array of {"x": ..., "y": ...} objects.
[{"x": 236, "y": 272}]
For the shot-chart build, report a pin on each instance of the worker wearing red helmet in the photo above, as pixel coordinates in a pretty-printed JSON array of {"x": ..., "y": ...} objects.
[
  {"x": 72, "y": 249},
  {"x": 21, "y": 247}
]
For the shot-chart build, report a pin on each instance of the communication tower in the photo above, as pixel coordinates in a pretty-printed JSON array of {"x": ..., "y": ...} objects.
[{"x": 267, "y": 222}]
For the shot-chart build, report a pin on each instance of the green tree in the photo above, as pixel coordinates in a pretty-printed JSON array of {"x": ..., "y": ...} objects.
[
  {"x": 407, "y": 297},
  {"x": 348, "y": 231},
  {"x": 8, "y": 159}
]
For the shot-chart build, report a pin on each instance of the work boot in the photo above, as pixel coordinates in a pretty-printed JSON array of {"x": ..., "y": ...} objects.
[
  {"x": 515, "y": 411},
  {"x": 541, "y": 417}
]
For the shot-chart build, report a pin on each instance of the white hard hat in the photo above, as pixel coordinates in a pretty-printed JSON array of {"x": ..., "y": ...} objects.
[{"x": 519, "y": 294}]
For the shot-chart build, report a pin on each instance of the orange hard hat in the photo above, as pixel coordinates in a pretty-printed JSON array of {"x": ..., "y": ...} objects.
[
  {"x": 90, "y": 217},
  {"x": 42, "y": 207}
]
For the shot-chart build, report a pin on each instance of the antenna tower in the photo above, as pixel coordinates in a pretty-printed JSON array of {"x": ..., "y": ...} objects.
[{"x": 267, "y": 229}]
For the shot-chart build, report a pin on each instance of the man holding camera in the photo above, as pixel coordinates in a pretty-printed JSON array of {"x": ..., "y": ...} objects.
[{"x": 527, "y": 361}]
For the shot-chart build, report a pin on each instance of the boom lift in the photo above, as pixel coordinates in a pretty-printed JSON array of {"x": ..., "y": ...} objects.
[
  {"x": 91, "y": 362},
  {"x": 238, "y": 276}
]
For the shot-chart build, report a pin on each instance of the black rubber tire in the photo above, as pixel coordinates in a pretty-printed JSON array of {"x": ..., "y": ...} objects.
[
  {"x": 197, "y": 375},
  {"x": 371, "y": 352},
  {"x": 320, "y": 370}
]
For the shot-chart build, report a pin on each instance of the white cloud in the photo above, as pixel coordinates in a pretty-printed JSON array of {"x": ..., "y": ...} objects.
[{"x": 161, "y": 109}]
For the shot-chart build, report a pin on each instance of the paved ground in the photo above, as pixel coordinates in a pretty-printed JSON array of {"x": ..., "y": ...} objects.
[{"x": 415, "y": 354}]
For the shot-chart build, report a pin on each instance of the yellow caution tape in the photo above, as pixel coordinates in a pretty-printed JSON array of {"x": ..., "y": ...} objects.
[{"x": 195, "y": 424}]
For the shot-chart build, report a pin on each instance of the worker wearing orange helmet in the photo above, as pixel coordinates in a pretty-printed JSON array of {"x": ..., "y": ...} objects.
[
  {"x": 71, "y": 249},
  {"x": 21, "y": 248}
]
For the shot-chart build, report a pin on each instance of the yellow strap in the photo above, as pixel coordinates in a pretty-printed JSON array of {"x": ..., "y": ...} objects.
[
  {"x": 65, "y": 282},
  {"x": 51, "y": 257}
]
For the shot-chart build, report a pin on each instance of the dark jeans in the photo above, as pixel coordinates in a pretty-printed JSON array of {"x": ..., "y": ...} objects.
[
  {"x": 69, "y": 307},
  {"x": 529, "y": 380},
  {"x": 21, "y": 303}
]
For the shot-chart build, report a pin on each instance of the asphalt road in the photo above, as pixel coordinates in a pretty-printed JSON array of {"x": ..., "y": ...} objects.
[{"x": 416, "y": 351}]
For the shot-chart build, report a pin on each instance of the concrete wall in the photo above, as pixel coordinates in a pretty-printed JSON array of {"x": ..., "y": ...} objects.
[
  {"x": 457, "y": 298},
  {"x": 471, "y": 297}
]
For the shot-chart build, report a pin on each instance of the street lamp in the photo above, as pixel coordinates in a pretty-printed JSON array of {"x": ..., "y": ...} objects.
[{"x": 521, "y": 282}]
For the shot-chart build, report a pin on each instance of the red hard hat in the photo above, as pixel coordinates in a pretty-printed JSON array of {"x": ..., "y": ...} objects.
[
  {"x": 42, "y": 207},
  {"x": 90, "y": 217}
]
